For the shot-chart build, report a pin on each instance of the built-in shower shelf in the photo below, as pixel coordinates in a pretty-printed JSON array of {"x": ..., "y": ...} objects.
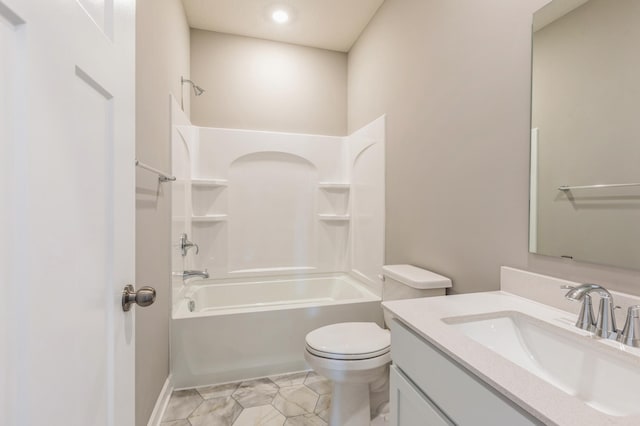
[
  {"x": 210, "y": 218},
  {"x": 334, "y": 185},
  {"x": 335, "y": 217},
  {"x": 209, "y": 182}
]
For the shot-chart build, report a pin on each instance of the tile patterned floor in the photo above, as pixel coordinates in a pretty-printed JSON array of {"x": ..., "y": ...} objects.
[{"x": 295, "y": 399}]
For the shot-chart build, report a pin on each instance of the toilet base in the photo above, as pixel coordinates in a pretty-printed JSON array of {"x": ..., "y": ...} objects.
[
  {"x": 354, "y": 380},
  {"x": 381, "y": 420},
  {"x": 350, "y": 405}
]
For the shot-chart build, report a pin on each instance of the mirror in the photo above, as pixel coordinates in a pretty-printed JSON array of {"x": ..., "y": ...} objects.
[{"x": 585, "y": 144}]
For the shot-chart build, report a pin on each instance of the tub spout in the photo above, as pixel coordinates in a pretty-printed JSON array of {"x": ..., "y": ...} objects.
[{"x": 192, "y": 274}]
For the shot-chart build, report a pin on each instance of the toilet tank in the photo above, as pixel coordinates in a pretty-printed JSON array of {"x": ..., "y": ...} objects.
[{"x": 409, "y": 282}]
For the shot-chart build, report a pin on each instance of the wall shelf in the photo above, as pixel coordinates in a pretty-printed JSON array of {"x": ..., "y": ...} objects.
[
  {"x": 335, "y": 217},
  {"x": 209, "y": 182},
  {"x": 334, "y": 185},
  {"x": 210, "y": 218}
]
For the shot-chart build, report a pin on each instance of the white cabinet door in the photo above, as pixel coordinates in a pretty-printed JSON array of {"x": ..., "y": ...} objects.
[
  {"x": 409, "y": 407},
  {"x": 67, "y": 212},
  {"x": 464, "y": 398}
]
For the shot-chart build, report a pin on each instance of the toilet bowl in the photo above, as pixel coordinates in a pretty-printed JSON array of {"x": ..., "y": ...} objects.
[
  {"x": 356, "y": 355},
  {"x": 352, "y": 355}
]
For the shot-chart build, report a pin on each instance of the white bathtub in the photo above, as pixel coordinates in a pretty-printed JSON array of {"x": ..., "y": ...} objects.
[{"x": 241, "y": 330}]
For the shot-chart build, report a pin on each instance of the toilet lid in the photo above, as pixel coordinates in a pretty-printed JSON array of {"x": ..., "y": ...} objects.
[{"x": 349, "y": 340}]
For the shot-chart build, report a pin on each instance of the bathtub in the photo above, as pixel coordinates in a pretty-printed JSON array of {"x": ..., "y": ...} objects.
[{"x": 228, "y": 331}]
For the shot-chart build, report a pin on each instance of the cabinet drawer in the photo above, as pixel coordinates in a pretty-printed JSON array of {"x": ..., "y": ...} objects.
[
  {"x": 409, "y": 406},
  {"x": 463, "y": 397}
]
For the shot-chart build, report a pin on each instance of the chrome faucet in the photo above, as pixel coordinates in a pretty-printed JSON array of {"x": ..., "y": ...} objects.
[
  {"x": 630, "y": 334},
  {"x": 192, "y": 274},
  {"x": 185, "y": 245},
  {"x": 605, "y": 324}
]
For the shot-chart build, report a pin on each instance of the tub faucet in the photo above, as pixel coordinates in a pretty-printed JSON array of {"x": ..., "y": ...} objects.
[
  {"x": 192, "y": 274},
  {"x": 605, "y": 324},
  {"x": 185, "y": 245}
]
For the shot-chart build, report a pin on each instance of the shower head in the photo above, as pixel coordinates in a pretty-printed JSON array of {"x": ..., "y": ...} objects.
[{"x": 197, "y": 90}]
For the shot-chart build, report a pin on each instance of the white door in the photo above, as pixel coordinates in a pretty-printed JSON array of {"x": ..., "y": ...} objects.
[{"x": 67, "y": 212}]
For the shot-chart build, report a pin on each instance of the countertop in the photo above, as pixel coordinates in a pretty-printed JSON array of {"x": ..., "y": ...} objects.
[{"x": 541, "y": 399}]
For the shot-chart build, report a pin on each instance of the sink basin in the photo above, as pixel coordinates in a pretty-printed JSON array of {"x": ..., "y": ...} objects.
[{"x": 604, "y": 377}]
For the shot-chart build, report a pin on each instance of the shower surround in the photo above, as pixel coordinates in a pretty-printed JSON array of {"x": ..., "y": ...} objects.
[{"x": 268, "y": 208}]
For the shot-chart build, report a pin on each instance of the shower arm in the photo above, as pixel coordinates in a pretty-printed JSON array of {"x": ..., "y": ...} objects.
[{"x": 197, "y": 90}]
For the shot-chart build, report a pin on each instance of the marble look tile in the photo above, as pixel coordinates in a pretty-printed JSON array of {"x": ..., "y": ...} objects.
[
  {"x": 264, "y": 415},
  {"x": 322, "y": 407},
  {"x": 292, "y": 399},
  {"x": 176, "y": 423},
  {"x": 305, "y": 420},
  {"x": 254, "y": 393},
  {"x": 182, "y": 404},
  {"x": 290, "y": 379},
  {"x": 218, "y": 391},
  {"x": 318, "y": 384},
  {"x": 295, "y": 400},
  {"x": 217, "y": 411}
]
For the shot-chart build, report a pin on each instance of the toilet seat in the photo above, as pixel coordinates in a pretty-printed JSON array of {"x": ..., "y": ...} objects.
[
  {"x": 349, "y": 341},
  {"x": 347, "y": 357}
]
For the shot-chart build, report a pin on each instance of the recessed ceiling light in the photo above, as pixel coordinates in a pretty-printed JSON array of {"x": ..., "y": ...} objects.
[{"x": 280, "y": 16}]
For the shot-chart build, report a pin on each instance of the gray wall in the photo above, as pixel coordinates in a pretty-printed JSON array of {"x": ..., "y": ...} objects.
[
  {"x": 453, "y": 77},
  {"x": 585, "y": 106},
  {"x": 265, "y": 85},
  {"x": 162, "y": 57}
]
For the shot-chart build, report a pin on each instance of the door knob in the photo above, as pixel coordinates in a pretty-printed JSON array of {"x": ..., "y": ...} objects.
[{"x": 143, "y": 297}]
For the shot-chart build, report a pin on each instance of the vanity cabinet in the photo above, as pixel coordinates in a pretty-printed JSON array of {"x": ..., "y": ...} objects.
[
  {"x": 409, "y": 406},
  {"x": 429, "y": 388}
]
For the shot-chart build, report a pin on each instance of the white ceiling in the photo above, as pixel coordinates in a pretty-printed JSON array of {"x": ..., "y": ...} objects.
[
  {"x": 327, "y": 24},
  {"x": 553, "y": 11}
]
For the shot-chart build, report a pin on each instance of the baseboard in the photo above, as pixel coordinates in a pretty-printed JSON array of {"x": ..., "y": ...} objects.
[{"x": 161, "y": 403}]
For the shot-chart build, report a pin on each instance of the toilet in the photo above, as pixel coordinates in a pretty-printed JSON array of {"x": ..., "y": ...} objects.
[{"x": 355, "y": 356}]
